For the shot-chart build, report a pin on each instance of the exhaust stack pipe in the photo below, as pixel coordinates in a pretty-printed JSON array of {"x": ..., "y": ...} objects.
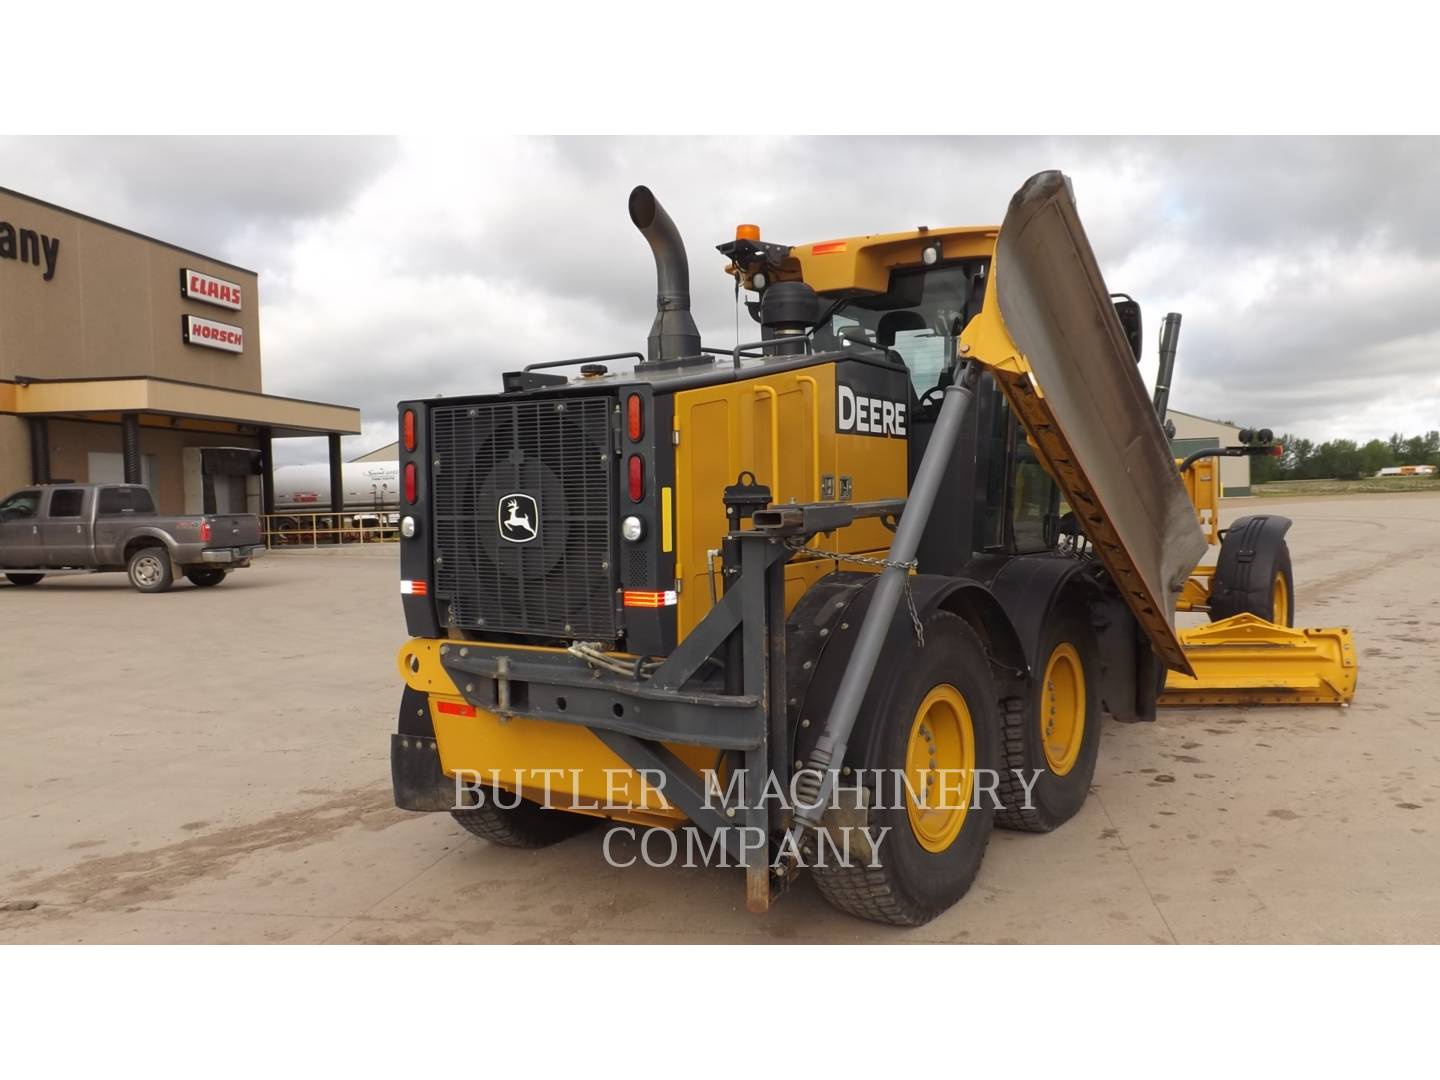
[
  {"x": 1169, "y": 341},
  {"x": 673, "y": 334}
]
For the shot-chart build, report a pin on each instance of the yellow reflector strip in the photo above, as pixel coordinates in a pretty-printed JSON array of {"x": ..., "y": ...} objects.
[{"x": 666, "y": 539}]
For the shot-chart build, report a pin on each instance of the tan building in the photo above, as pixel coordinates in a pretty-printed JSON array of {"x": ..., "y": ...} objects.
[
  {"x": 126, "y": 358},
  {"x": 1197, "y": 433},
  {"x": 388, "y": 452}
]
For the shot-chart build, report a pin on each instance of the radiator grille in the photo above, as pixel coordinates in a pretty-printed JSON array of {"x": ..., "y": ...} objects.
[{"x": 499, "y": 461}]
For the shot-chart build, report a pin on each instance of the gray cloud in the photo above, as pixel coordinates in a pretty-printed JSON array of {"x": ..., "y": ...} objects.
[
  {"x": 1306, "y": 267},
  {"x": 234, "y": 197}
]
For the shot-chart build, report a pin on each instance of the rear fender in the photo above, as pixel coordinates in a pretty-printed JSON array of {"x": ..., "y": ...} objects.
[
  {"x": 141, "y": 537},
  {"x": 824, "y": 658},
  {"x": 1033, "y": 588}
]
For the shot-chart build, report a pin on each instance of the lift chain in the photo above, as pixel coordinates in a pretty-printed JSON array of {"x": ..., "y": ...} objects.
[{"x": 883, "y": 564}]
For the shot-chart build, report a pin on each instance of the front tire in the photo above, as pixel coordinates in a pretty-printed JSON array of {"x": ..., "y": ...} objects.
[
  {"x": 936, "y": 725},
  {"x": 527, "y": 825},
  {"x": 1253, "y": 574},
  {"x": 150, "y": 571},
  {"x": 205, "y": 576},
  {"x": 25, "y": 579},
  {"x": 1056, "y": 732}
]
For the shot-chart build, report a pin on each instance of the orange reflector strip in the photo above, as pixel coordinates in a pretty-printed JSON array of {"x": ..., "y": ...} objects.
[
  {"x": 828, "y": 248},
  {"x": 455, "y": 708},
  {"x": 649, "y": 598},
  {"x": 414, "y": 588}
]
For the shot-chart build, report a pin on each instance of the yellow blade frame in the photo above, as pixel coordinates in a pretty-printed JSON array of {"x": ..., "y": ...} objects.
[{"x": 1244, "y": 660}]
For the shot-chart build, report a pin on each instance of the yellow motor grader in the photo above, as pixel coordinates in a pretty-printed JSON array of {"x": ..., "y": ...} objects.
[{"x": 877, "y": 573}]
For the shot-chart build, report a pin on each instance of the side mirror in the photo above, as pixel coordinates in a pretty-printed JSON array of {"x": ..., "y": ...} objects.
[{"x": 1128, "y": 312}]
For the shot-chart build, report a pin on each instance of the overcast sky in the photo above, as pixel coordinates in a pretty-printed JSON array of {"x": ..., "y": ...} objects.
[{"x": 1307, "y": 269}]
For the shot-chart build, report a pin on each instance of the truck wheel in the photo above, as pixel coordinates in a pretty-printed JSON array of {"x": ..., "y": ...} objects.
[
  {"x": 1056, "y": 733},
  {"x": 937, "y": 725},
  {"x": 150, "y": 570},
  {"x": 528, "y": 825},
  {"x": 25, "y": 579},
  {"x": 205, "y": 576},
  {"x": 1253, "y": 574}
]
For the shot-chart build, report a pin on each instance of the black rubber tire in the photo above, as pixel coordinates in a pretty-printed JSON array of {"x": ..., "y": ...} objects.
[
  {"x": 911, "y": 885},
  {"x": 1054, "y": 799},
  {"x": 528, "y": 825},
  {"x": 205, "y": 576},
  {"x": 1227, "y": 598},
  {"x": 25, "y": 579},
  {"x": 144, "y": 562}
]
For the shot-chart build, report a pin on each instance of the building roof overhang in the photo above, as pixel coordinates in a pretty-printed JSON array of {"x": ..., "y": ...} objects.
[{"x": 188, "y": 405}]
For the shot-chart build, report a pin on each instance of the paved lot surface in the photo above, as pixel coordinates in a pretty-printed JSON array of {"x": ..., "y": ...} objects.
[{"x": 212, "y": 766}]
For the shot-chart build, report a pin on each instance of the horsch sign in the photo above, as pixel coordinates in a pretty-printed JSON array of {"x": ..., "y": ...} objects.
[{"x": 213, "y": 335}]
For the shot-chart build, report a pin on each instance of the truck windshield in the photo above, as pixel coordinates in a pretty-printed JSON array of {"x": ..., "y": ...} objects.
[
  {"x": 23, "y": 504},
  {"x": 920, "y": 318}
]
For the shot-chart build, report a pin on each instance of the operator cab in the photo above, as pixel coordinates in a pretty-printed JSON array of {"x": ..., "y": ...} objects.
[{"x": 997, "y": 498}]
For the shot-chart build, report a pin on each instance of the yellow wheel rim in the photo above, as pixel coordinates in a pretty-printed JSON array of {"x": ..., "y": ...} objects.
[
  {"x": 1062, "y": 708},
  {"x": 939, "y": 768},
  {"x": 1280, "y": 600}
]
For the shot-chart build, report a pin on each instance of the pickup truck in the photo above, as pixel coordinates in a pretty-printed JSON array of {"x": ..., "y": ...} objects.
[{"x": 49, "y": 528}]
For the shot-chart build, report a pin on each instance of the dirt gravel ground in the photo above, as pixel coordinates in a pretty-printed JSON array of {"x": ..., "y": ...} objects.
[{"x": 212, "y": 766}]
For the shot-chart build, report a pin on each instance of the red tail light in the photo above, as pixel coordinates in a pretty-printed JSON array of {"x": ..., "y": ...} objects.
[
  {"x": 637, "y": 478},
  {"x": 455, "y": 708},
  {"x": 635, "y": 422},
  {"x": 205, "y": 530},
  {"x": 407, "y": 424},
  {"x": 1278, "y": 450},
  {"x": 410, "y": 482}
]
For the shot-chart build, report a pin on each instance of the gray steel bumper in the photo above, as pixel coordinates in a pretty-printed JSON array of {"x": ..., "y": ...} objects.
[{"x": 231, "y": 556}]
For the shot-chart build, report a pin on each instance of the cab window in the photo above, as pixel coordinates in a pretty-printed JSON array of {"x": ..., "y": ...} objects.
[
  {"x": 23, "y": 504},
  {"x": 67, "y": 502},
  {"x": 124, "y": 500},
  {"x": 1034, "y": 501},
  {"x": 920, "y": 318}
]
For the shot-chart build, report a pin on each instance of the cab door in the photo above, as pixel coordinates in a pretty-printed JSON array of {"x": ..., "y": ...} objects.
[
  {"x": 20, "y": 530},
  {"x": 65, "y": 527}
]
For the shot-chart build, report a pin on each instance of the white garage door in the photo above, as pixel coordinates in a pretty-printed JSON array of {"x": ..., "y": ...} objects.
[{"x": 109, "y": 468}]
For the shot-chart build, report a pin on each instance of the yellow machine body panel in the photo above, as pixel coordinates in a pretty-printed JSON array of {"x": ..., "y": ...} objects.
[
  {"x": 781, "y": 427},
  {"x": 1202, "y": 485},
  {"x": 1244, "y": 660},
  {"x": 540, "y": 759},
  {"x": 865, "y": 263}
]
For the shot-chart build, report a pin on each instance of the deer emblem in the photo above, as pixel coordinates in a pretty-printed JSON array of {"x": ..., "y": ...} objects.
[{"x": 518, "y": 516}]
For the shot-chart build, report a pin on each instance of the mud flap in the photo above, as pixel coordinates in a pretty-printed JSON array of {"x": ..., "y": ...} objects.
[
  {"x": 1049, "y": 333},
  {"x": 1244, "y": 660},
  {"x": 416, "y": 777}
]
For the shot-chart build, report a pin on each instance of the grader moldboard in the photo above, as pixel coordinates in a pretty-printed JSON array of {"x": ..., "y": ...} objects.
[{"x": 895, "y": 558}]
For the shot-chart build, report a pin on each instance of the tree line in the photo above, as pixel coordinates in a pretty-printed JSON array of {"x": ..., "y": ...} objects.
[{"x": 1344, "y": 459}]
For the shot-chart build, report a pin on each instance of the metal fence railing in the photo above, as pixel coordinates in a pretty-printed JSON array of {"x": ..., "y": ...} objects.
[{"x": 293, "y": 529}]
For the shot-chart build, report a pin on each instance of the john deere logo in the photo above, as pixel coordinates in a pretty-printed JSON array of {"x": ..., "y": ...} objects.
[{"x": 519, "y": 517}]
